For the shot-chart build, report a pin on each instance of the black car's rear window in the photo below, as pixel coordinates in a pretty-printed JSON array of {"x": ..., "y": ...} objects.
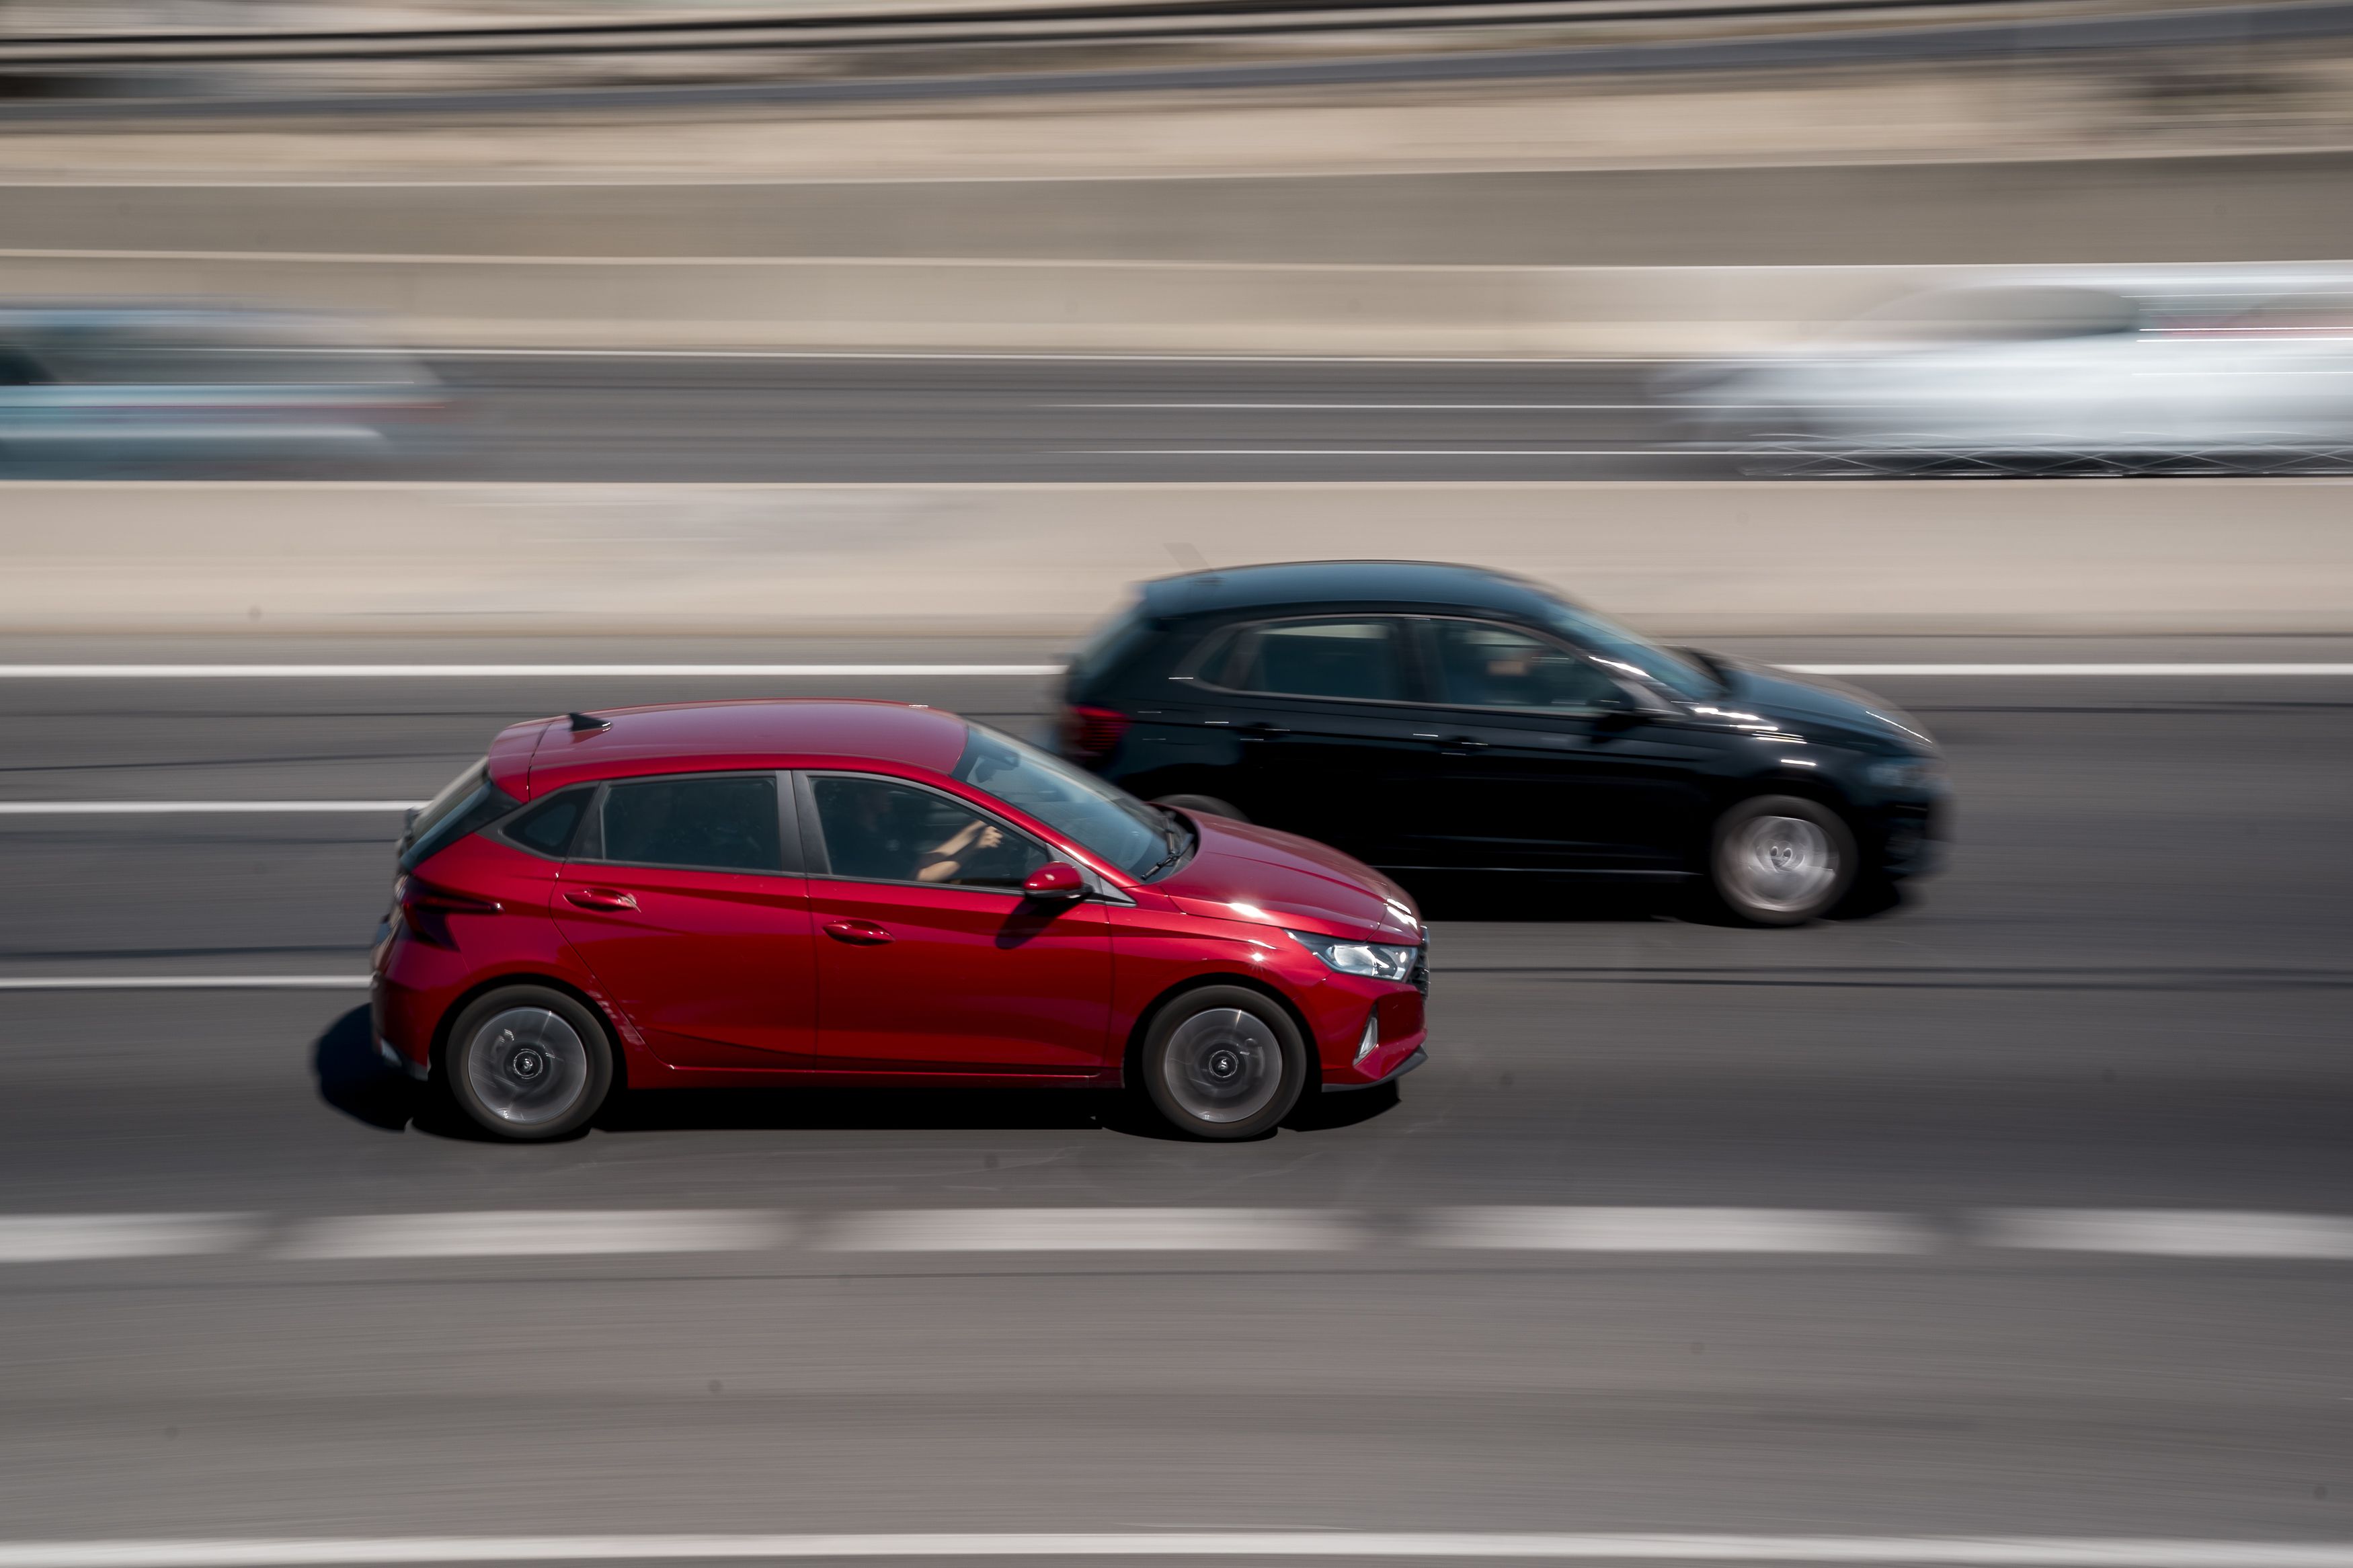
[{"x": 1113, "y": 643}]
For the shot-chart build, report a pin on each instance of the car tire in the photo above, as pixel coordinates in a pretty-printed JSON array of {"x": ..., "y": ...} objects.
[
  {"x": 528, "y": 1063},
  {"x": 1223, "y": 1063},
  {"x": 1781, "y": 860},
  {"x": 1206, "y": 805}
]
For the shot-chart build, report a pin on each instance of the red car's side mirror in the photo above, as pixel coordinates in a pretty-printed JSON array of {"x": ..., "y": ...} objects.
[{"x": 1055, "y": 879}]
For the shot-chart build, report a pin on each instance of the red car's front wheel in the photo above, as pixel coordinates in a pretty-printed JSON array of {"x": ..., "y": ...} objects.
[{"x": 1223, "y": 1062}]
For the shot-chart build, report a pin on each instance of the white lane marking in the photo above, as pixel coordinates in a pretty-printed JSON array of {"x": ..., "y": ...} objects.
[
  {"x": 490, "y": 672},
  {"x": 1931, "y": 1551},
  {"x": 67, "y": 1238},
  {"x": 2007, "y": 669},
  {"x": 184, "y": 982},
  {"x": 1367, "y": 452},
  {"x": 1093, "y": 1230},
  {"x": 818, "y": 671},
  {"x": 528, "y": 1233},
  {"x": 1436, "y": 407},
  {"x": 2170, "y": 1233},
  {"x": 1538, "y": 1229},
  {"x": 189, "y": 807}
]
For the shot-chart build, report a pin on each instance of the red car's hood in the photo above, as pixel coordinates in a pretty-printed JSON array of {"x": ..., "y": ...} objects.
[{"x": 1245, "y": 872}]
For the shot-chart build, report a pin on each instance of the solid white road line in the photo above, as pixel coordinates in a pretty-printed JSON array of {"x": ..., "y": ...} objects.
[
  {"x": 494, "y": 671},
  {"x": 528, "y": 1233},
  {"x": 1538, "y": 1229},
  {"x": 1932, "y": 1552},
  {"x": 184, "y": 982},
  {"x": 825, "y": 671},
  {"x": 60, "y": 1239},
  {"x": 1093, "y": 1230},
  {"x": 2097, "y": 669},
  {"x": 192, "y": 807},
  {"x": 2170, "y": 1233}
]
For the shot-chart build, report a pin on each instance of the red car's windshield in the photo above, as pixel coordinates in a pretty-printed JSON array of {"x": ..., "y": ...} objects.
[{"x": 1101, "y": 817}]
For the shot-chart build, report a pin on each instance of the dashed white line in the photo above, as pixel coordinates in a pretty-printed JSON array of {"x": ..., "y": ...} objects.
[
  {"x": 537, "y": 1233},
  {"x": 1538, "y": 1229},
  {"x": 2170, "y": 1233},
  {"x": 1930, "y": 1552},
  {"x": 849, "y": 671},
  {"x": 523, "y": 1232},
  {"x": 1093, "y": 1230},
  {"x": 196, "y": 807},
  {"x": 2065, "y": 669},
  {"x": 184, "y": 982},
  {"x": 500, "y": 672},
  {"x": 63, "y": 1238}
]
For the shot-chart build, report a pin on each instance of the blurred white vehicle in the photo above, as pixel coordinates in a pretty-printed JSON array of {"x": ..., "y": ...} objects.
[
  {"x": 119, "y": 388},
  {"x": 2158, "y": 372}
]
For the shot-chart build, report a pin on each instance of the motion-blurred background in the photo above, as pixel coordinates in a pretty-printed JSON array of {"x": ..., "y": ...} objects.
[{"x": 374, "y": 374}]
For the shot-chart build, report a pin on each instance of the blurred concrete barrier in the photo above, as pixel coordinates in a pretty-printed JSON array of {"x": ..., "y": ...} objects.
[
  {"x": 1006, "y": 304},
  {"x": 1698, "y": 559}
]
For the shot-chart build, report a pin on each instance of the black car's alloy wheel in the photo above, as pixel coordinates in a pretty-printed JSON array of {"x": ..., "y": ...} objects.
[{"x": 1781, "y": 860}]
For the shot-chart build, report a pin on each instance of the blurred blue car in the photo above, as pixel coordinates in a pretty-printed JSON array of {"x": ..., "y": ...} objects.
[{"x": 129, "y": 389}]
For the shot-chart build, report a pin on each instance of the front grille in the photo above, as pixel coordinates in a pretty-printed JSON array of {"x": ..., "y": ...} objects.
[{"x": 1420, "y": 975}]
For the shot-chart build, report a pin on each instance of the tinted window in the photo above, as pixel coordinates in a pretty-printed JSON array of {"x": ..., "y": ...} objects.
[
  {"x": 1480, "y": 664},
  {"x": 1615, "y": 644},
  {"x": 1320, "y": 659},
  {"x": 547, "y": 827},
  {"x": 725, "y": 823},
  {"x": 1102, "y": 817},
  {"x": 467, "y": 803},
  {"x": 880, "y": 831}
]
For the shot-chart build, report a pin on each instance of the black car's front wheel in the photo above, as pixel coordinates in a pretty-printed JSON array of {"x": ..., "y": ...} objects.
[
  {"x": 528, "y": 1063},
  {"x": 1781, "y": 860},
  {"x": 1223, "y": 1062}
]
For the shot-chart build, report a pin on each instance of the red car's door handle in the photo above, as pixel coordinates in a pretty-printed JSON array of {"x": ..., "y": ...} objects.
[
  {"x": 601, "y": 898},
  {"x": 861, "y": 933}
]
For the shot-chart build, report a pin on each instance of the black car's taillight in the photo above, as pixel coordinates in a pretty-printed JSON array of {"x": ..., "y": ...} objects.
[{"x": 1090, "y": 734}]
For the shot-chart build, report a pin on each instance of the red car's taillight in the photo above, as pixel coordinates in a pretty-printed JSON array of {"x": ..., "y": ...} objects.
[
  {"x": 1091, "y": 733},
  {"x": 426, "y": 910}
]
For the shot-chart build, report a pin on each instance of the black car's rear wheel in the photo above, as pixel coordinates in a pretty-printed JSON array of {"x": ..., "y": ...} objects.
[
  {"x": 528, "y": 1063},
  {"x": 1223, "y": 1062},
  {"x": 1781, "y": 860}
]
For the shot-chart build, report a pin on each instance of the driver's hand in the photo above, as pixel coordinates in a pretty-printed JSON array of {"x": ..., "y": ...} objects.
[{"x": 990, "y": 837}]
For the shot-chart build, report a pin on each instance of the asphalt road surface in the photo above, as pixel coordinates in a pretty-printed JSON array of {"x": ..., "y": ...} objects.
[
  {"x": 976, "y": 418},
  {"x": 1930, "y": 1298}
]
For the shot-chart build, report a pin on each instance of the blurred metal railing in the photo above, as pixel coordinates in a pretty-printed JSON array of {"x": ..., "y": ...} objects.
[{"x": 1078, "y": 21}]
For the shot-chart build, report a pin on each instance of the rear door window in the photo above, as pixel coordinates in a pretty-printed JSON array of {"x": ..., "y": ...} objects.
[
  {"x": 1358, "y": 659},
  {"x": 719, "y": 821}
]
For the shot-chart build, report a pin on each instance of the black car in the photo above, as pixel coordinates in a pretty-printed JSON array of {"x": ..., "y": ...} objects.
[{"x": 1433, "y": 720}]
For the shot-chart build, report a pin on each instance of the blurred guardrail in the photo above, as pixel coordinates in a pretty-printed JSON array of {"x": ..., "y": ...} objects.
[
  {"x": 977, "y": 51},
  {"x": 930, "y": 23}
]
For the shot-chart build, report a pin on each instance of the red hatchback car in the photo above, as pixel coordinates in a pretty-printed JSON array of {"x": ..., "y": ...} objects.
[{"x": 832, "y": 892}]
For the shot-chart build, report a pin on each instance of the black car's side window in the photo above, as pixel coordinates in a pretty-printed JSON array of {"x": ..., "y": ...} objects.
[
  {"x": 719, "y": 821},
  {"x": 880, "y": 830},
  {"x": 1482, "y": 665},
  {"x": 1360, "y": 659}
]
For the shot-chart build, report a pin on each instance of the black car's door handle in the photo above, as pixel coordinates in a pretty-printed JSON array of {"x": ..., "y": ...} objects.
[
  {"x": 1263, "y": 732},
  {"x": 1461, "y": 745}
]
